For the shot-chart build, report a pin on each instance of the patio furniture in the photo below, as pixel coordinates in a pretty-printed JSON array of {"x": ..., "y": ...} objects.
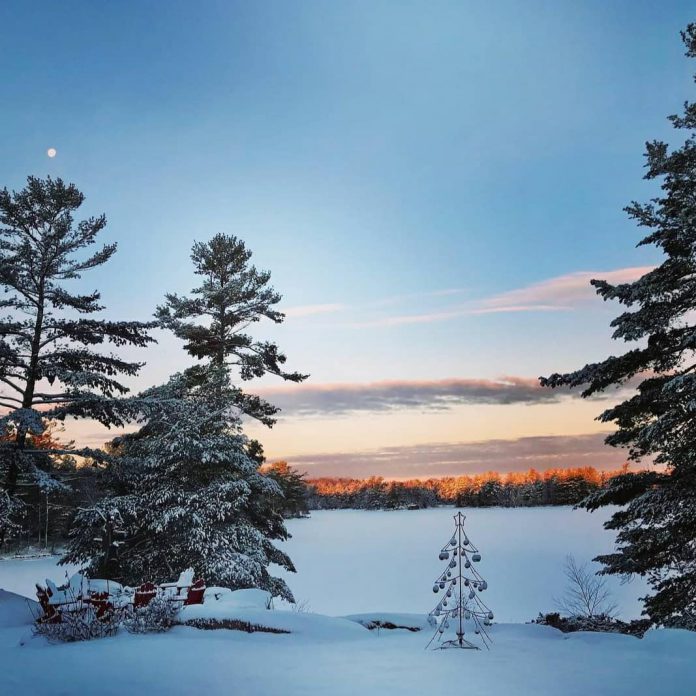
[
  {"x": 50, "y": 613},
  {"x": 195, "y": 593},
  {"x": 144, "y": 595},
  {"x": 103, "y": 608}
]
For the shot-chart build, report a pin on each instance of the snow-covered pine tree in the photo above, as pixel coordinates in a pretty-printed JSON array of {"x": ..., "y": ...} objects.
[
  {"x": 657, "y": 522},
  {"x": 294, "y": 487},
  {"x": 186, "y": 493},
  {"x": 212, "y": 321},
  {"x": 188, "y": 485},
  {"x": 47, "y": 359}
]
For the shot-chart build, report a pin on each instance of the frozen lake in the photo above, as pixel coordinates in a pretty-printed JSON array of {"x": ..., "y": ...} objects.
[{"x": 354, "y": 561}]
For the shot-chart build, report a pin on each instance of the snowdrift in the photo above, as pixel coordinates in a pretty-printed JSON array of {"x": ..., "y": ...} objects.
[{"x": 16, "y": 610}]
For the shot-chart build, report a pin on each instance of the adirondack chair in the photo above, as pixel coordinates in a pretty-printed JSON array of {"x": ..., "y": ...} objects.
[
  {"x": 67, "y": 597},
  {"x": 195, "y": 593},
  {"x": 50, "y": 612},
  {"x": 176, "y": 591},
  {"x": 144, "y": 595},
  {"x": 103, "y": 608}
]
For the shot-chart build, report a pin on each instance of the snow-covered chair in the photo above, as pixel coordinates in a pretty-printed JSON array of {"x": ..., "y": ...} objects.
[
  {"x": 111, "y": 587},
  {"x": 144, "y": 595},
  {"x": 63, "y": 596},
  {"x": 103, "y": 608},
  {"x": 195, "y": 593},
  {"x": 50, "y": 613},
  {"x": 185, "y": 579},
  {"x": 178, "y": 590}
]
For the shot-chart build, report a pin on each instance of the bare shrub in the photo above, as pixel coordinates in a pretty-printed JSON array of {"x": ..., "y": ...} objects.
[
  {"x": 586, "y": 594},
  {"x": 301, "y": 607},
  {"x": 81, "y": 624}
]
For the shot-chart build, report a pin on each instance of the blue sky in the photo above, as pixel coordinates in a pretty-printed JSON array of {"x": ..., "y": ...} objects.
[{"x": 383, "y": 159}]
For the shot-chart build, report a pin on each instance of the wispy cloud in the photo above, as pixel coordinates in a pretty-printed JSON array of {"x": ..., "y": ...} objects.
[
  {"x": 558, "y": 294},
  {"x": 334, "y": 307},
  {"x": 342, "y": 398},
  {"x": 451, "y": 459},
  {"x": 562, "y": 292},
  {"x": 309, "y": 310},
  {"x": 396, "y": 299}
]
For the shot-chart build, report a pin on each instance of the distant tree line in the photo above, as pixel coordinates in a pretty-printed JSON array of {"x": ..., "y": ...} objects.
[
  {"x": 50, "y": 513},
  {"x": 516, "y": 489}
]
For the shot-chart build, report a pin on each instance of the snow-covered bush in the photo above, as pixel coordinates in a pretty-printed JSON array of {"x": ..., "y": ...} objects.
[
  {"x": 157, "y": 617},
  {"x": 82, "y": 624},
  {"x": 596, "y": 624}
]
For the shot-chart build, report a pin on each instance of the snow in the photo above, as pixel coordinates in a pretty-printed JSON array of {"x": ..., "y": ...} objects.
[
  {"x": 254, "y": 599},
  {"x": 526, "y": 659},
  {"x": 21, "y": 575},
  {"x": 299, "y": 624},
  {"x": 16, "y": 610},
  {"x": 357, "y": 559}
]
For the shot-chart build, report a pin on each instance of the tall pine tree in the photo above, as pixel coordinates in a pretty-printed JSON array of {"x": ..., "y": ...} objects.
[
  {"x": 49, "y": 367},
  {"x": 186, "y": 489},
  {"x": 656, "y": 524},
  {"x": 213, "y": 319}
]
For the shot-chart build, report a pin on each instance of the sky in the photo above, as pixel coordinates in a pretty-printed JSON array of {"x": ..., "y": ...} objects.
[{"x": 432, "y": 185}]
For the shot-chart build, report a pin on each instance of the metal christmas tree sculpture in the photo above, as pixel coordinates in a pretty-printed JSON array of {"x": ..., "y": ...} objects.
[{"x": 461, "y": 586}]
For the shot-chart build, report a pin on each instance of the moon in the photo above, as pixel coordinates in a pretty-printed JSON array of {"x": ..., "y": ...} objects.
[{"x": 51, "y": 152}]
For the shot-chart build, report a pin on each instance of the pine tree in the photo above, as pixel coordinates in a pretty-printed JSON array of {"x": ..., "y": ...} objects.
[
  {"x": 188, "y": 486},
  {"x": 47, "y": 359},
  {"x": 184, "y": 492},
  {"x": 657, "y": 523},
  {"x": 212, "y": 321},
  {"x": 293, "y": 486},
  {"x": 44, "y": 493}
]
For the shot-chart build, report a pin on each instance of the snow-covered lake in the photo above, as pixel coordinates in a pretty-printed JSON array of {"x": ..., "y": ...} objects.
[
  {"x": 357, "y": 561},
  {"x": 354, "y": 561}
]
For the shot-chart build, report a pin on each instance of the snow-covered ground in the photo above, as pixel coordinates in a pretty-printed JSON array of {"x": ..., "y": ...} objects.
[
  {"x": 352, "y": 561},
  {"x": 331, "y": 656},
  {"x": 362, "y": 563}
]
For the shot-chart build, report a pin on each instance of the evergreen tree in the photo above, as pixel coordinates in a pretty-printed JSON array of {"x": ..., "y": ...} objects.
[
  {"x": 47, "y": 359},
  {"x": 212, "y": 321},
  {"x": 293, "y": 486},
  {"x": 184, "y": 492},
  {"x": 186, "y": 489},
  {"x": 44, "y": 493},
  {"x": 657, "y": 523}
]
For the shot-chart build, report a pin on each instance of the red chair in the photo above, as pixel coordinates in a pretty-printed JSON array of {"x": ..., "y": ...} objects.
[
  {"x": 195, "y": 593},
  {"x": 144, "y": 595},
  {"x": 50, "y": 613},
  {"x": 102, "y": 606}
]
